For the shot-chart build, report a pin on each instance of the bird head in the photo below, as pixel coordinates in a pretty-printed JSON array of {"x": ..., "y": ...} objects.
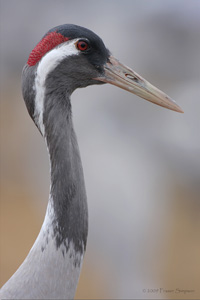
[{"x": 69, "y": 57}]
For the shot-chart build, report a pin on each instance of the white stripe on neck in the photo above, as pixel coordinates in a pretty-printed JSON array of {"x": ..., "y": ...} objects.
[{"x": 49, "y": 62}]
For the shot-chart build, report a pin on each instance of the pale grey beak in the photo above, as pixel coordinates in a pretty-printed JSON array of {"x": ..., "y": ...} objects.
[{"x": 125, "y": 78}]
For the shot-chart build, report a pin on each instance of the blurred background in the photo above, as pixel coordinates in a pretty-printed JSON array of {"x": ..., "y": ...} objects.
[{"x": 141, "y": 162}]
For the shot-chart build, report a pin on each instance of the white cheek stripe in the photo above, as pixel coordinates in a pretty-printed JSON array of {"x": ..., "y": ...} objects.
[{"x": 45, "y": 66}]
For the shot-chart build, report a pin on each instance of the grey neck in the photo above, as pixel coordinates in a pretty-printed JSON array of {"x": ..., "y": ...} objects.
[
  {"x": 67, "y": 182},
  {"x": 52, "y": 268}
]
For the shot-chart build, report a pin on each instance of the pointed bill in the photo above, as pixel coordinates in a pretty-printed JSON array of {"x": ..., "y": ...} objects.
[{"x": 118, "y": 74}]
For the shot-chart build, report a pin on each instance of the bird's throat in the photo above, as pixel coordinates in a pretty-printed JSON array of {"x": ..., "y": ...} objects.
[
  {"x": 62, "y": 240},
  {"x": 54, "y": 263},
  {"x": 67, "y": 193}
]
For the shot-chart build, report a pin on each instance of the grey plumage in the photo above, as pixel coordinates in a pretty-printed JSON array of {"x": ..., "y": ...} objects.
[{"x": 68, "y": 57}]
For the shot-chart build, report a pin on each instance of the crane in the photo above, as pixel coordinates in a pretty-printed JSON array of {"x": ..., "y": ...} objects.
[{"x": 66, "y": 58}]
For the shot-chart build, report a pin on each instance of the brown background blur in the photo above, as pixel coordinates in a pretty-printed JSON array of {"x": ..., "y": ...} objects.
[{"x": 141, "y": 162}]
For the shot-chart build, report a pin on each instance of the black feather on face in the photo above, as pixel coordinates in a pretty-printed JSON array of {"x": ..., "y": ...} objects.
[
  {"x": 96, "y": 53},
  {"x": 93, "y": 65},
  {"x": 73, "y": 71}
]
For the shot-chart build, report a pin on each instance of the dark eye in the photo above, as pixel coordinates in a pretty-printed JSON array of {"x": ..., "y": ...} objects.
[{"x": 82, "y": 45}]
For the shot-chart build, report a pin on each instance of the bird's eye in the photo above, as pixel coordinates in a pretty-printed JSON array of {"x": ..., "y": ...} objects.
[{"x": 82, "y": 45}]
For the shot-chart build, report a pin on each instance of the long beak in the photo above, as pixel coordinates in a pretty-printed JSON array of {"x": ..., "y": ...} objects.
[{"x": 125, "y": 78}]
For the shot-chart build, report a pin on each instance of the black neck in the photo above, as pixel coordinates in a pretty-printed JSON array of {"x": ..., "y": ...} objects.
[{"x": 67, "y": 181}]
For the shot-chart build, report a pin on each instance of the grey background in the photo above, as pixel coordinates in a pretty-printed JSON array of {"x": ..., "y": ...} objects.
[{"x": 141, "y": 162}]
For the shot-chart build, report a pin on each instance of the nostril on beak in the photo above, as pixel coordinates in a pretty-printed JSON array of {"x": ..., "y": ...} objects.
[{"x": 131, "y": 77}]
